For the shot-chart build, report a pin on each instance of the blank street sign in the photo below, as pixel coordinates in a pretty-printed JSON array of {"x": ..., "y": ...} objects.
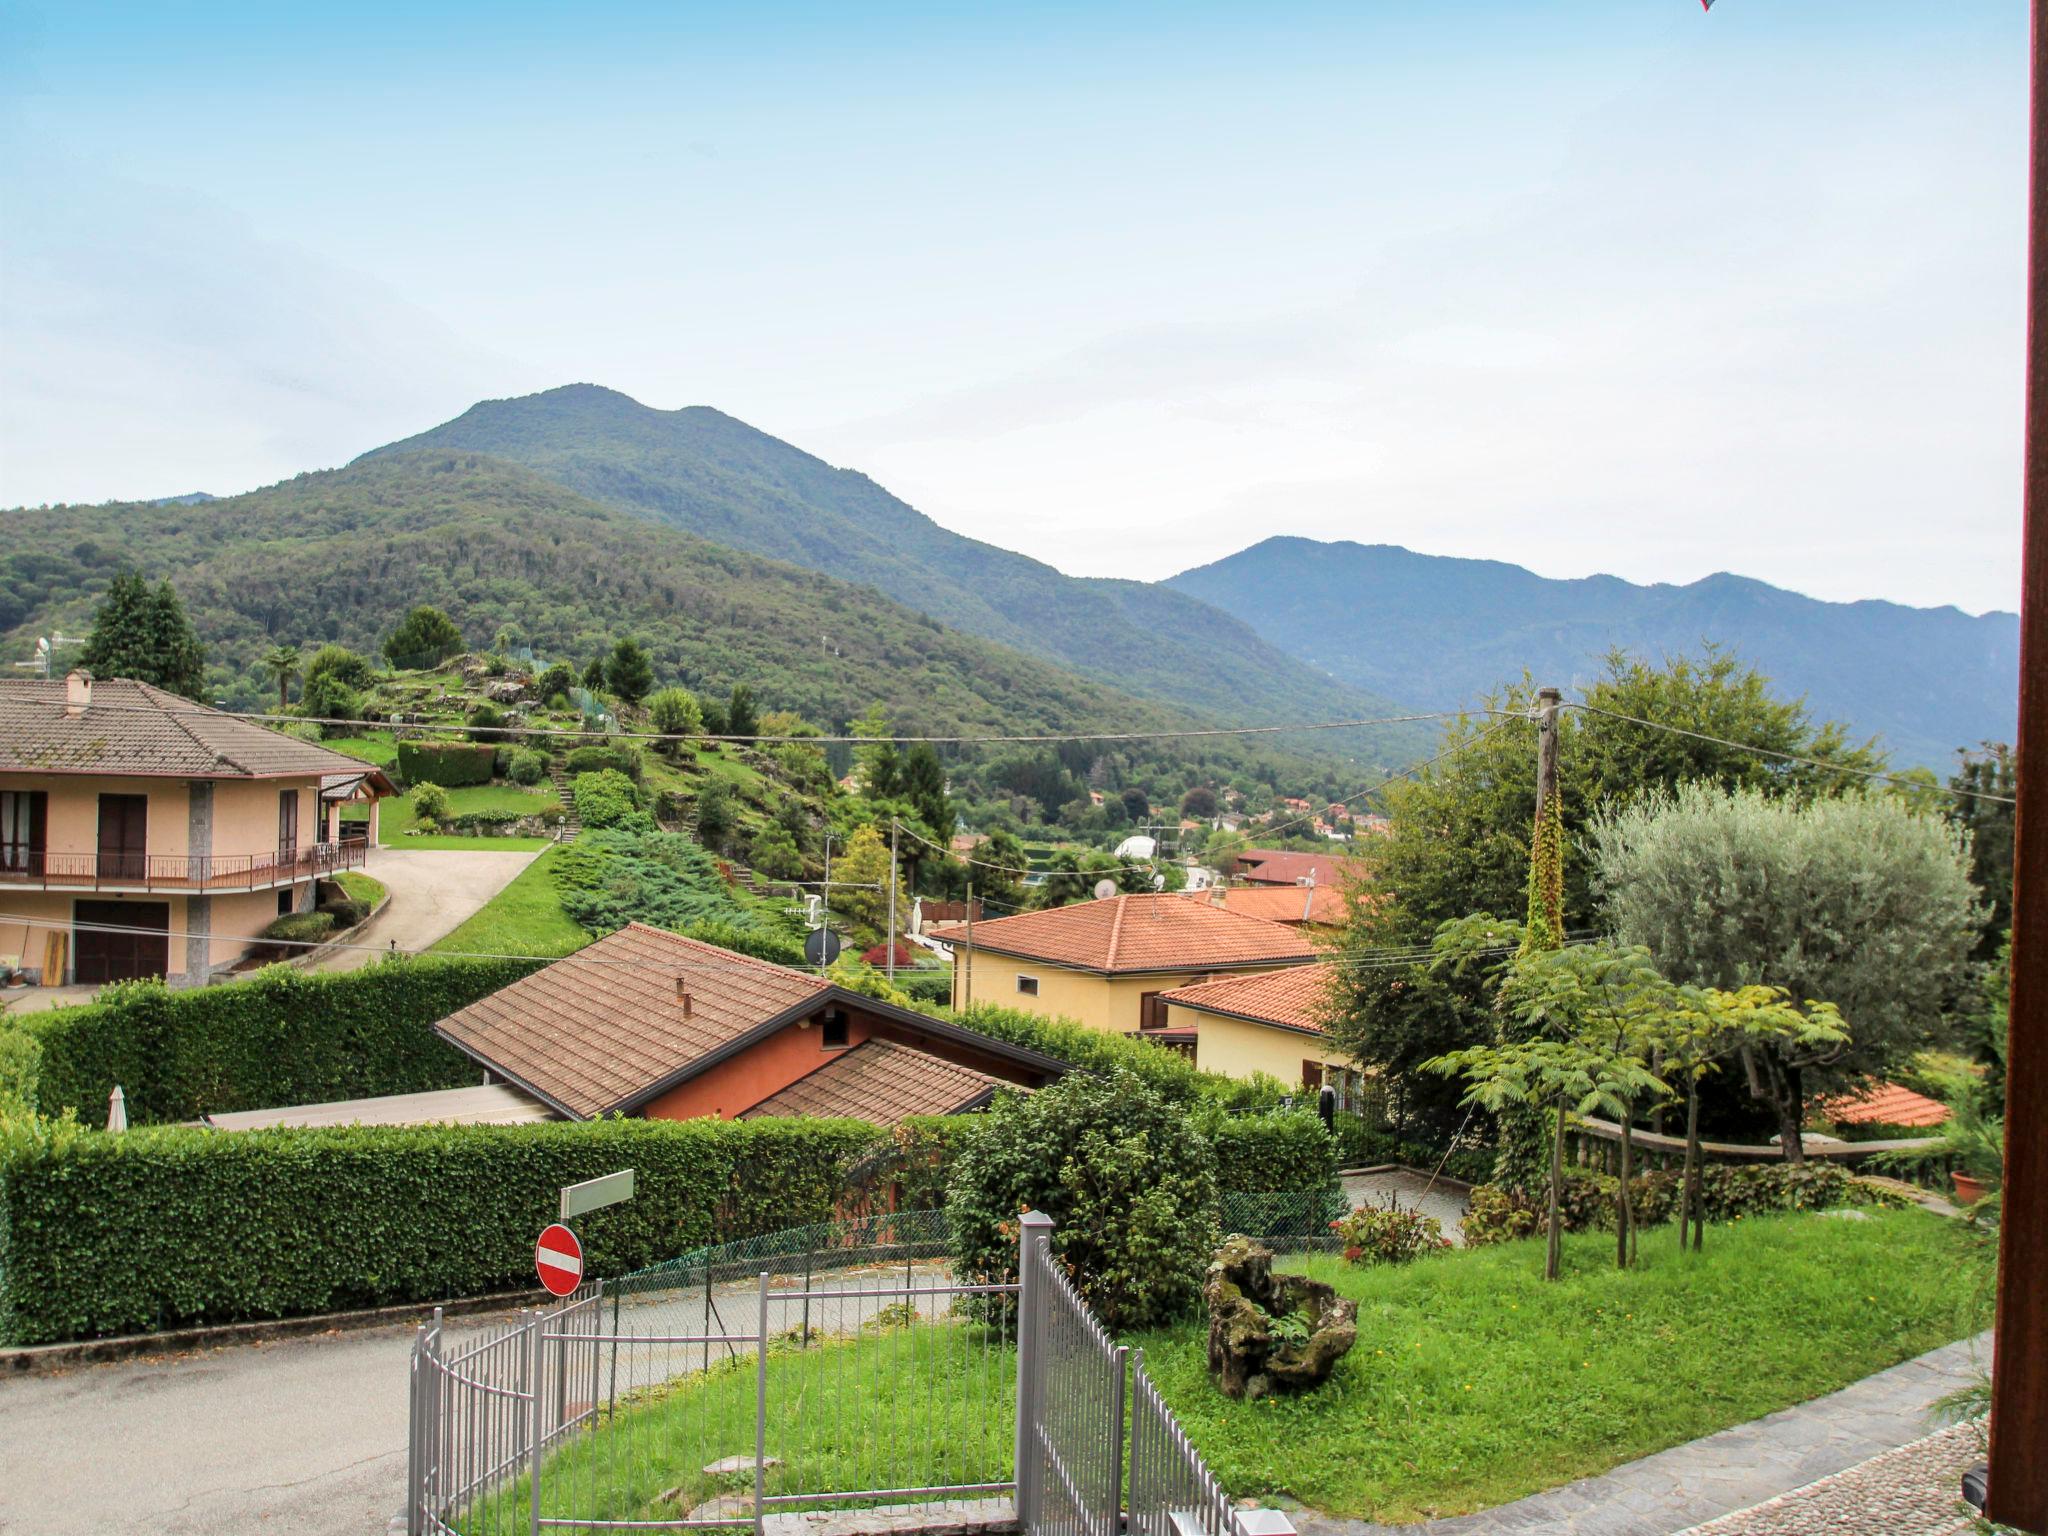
[{"x": 595, "y": 1194}]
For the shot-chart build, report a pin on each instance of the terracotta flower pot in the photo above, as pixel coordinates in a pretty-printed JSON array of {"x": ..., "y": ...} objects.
[{"x": 1968, "y": 1190}]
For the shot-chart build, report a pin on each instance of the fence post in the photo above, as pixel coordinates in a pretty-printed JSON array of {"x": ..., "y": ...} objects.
[
  {"x": 534, "y": 1358},
  {"x": 417, "y": 1417},
  {"x": 1034, "y": 1252},
  {"x": 1121, "y": 1435},
  {"x": 761, "y": 1402}
]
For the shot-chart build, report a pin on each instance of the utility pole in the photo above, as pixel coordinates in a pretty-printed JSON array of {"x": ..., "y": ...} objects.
[
  {"x": 1548, "y": 701},
  {"x": 825, "y": 905},
  {"x": 890, "y": 963},
  {"x": 967, "y": 971}
]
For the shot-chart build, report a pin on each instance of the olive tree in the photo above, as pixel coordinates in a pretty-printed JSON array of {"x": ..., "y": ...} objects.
[{"x": 1858, "y": 901}]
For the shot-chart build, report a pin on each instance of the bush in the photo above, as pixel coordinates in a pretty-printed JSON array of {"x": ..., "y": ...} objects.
[
  {"x": 598, "y": 759},
  {"x": 604, "y": 799},
  {"x": 527, "y": 766},
  {"x": 1363, "y": 1145},
  {"x": 775, "y": 854},
  {"x": 96, "y": 1231},
  {"x": 1386, "y": 1234},
  {"x": 345, "y": 911},
  {"x": 345, "y": 666},
  {"x": 430, "y": 803},
  {"x": 1283, "y": 1150},
  {"x": 484, "y": 721},
  {"x": 615, "y": 876},
  {"x": 1129, "y": 1183},
  {"x": 556, "y": 680},
  {"x": 327, "y": 697},
  {"x": 453, "y": 763},
  {"x": 674, "y": 712},
  {"x": 300, "y": 927},
  {"x": 1727, "y": 1192},
  {"x": 283, "y": 1037}
]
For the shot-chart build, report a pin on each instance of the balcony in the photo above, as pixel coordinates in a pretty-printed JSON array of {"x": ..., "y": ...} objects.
[{"x": 198, "y": 872}]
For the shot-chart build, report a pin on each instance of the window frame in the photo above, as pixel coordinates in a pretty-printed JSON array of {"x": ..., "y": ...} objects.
[{"x": 1027, "y": 986}]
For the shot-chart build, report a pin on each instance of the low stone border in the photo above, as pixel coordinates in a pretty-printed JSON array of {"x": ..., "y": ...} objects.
[
  {"x": 1912, "y": 1491},
  {"x": 32, "y": 1358},
  {"x": 306, "y": 958}
]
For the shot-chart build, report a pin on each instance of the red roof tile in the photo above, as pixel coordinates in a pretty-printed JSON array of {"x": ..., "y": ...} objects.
[
  {"x": 1324, "y": 904},
  {"x": 882, "y": 1082},
  {"x": 1283, "y": 866},
  {"x": 1292, "y": 999},
  {"x": 1150, "y": 932},
  {"x": 1886, "y": 1104}
]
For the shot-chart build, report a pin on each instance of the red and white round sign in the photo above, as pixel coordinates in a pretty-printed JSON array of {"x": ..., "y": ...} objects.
[{"x": 558, "y": 1259}]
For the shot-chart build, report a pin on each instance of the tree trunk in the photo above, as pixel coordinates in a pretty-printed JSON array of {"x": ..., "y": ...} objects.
[
  {"x": 1689, "y": 1197},
  {"x": 1554, "y": 1255},
  {"x": 1625, "y": 1226},
  {"x": 1781, "y": 1088}
]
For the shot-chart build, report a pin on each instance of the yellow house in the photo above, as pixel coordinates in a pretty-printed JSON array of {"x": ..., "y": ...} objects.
[
  {"x": 142, "y": 834},
  {"x": 1271, "y": 1023},
  {"x": 1110, "y": 963}
]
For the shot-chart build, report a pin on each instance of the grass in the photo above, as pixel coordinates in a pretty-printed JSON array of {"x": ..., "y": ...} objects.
[
  {"x": 360, "y": 887},
  {"x": 395, "y": 820},
  {"x": 379, "y": 749},
  {"x": 525, "y": 918},
  {"x": 1472, "y": 1382}
]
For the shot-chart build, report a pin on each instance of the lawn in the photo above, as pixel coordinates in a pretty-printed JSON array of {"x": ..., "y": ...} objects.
[
  {"x": 360, "y": 887},
  {"x": 381, "y": 750},
  {"x": 525, "y": 918},
  {"x": 1472, "y": 1383},
  {"x": 395, "y": 820}
]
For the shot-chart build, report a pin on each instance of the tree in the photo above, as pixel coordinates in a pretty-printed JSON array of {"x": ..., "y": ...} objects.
[
  {"x": 716, "y": 817},
  {"x": 741, "y": 718},
  {"x": 924, "y": 786},
  {"x": 593, "y": 675},
  {"x": 605, "y": 798},
  {"x": 1199, "y": 803},
  {"x": 628, "y": 674},
  {"x": 1854, "y": 900},
  {"x": 425, "y": 637},
  {"x": 774, "y": 853},
  {"x": 674, "y": 712},
  {"x": 556, "y": 678},
  {"x": 282, "y": 663},
  {"x": 864, "y": 906},
  {"x": 876, "y": 759},
  {"x": 342, "y": 664},
  {"x": 142, "y": 633},
  {"x": 1137, "y": 804},
  {"x": 1982, "y": 790},
  {"x": 327, "y": 697}
]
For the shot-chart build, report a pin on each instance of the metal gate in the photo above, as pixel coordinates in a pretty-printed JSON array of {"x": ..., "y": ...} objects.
[{"x": 1070, "y": 1401}]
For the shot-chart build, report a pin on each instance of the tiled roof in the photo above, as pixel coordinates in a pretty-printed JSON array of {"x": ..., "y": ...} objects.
[
  {"x": 132, "y": 728},
  {"x": 1886, "y": 1104},
  {"x": 491, "y": 1104},
  {"x": 1150, "y": 932},
  {"x": 1293, "y": 998},
  {"x": 601, "y": 1028},
  {"x": 1282, "y": 866},
  {"x": 1280, "y": 903},
  {"x": 881, "y": 1082}
]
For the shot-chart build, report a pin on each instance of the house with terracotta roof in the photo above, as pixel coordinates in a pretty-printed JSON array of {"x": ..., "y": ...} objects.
[
  {"x": 1312, "y": 907},
  {"x": 1108, "y": 963},
  {"x": 142, "y": 834},
  {"x": 1271, "y": 1023},
  {"x": 650, "y": 1023},
  {"x": 1283, "y": 866}
]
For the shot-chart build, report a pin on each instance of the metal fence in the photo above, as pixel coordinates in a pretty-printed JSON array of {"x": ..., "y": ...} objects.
[{"x": 835, "y": 1368}]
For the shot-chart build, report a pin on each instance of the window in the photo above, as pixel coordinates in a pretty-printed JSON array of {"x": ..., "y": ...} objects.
[
  {"x": 285, "y": 902},
  {"x": 24, "y": 835},
  {"x": 1312, "y": 1075},
  {"x": 1028, "y": 985},
  {"x": 287, "y": 825},
  {"x": 832, "y": 1032},
  {"x": 1151, "y": 1011}
]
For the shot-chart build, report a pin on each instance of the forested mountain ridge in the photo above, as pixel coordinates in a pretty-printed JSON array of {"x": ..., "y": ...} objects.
[
  {"x": 341, "y": 555},
  {"x": 706, "y": 472},
  {"x": 1438, "y": 632}
]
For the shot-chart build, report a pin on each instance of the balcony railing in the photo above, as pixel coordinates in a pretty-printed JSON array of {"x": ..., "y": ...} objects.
[{"x": 178, "y": 871}]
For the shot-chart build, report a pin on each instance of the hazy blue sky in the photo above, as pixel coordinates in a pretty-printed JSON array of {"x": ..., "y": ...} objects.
[{"x": 1611, "y": 285}]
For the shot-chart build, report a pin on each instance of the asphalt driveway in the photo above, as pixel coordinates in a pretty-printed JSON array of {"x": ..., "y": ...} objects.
[{"x": 433, "y": 892}]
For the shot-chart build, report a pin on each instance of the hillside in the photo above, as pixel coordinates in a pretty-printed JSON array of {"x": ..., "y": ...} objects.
[
  {"x": 341, "y": 554},
  {"x": 1438, "y": 632},
  {"x": 700, "y": 470}
]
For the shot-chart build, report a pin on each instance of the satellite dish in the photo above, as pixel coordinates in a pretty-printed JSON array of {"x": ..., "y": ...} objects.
[
  {"x": 1159, "y": 882},
  {"x": 821, "y": 946},
  {"x": 1104, "y": 889}
]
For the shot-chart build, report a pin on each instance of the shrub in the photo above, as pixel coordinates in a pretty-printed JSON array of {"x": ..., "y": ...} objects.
[
  {"x": 775, "y": 854},
  {"x": 556, "y": 679},
  {"x": 614, "y": 876},
  {"x": 1129, "y": 1183},
  {"x": 1387, "y": 1234},
  {"x": 21, "y": 1065},
  {"x": 327, "y": 697},
  {"x": 596, "y": 759},
  {"x": 301, "y": 927},
  {"x": 342, "y": 664},
  {"x": 96, "y": 1231},
  {"x": 345, "y": 911},
  {"x": 604, "y": 799},
  {"x": 1727, "y": 1192},
  {"x": 527, "y": 766},
  {"x": 1361, "y": 1144},
  {"x": 453, "y": 763},
  {"x": 484, "y": 721},
  {"x": 1283, "y": 1150},
  {"x": 283, "y": 1037},
  {"x": 674, "y": 712},
  {"x": 429, "y": 803}
]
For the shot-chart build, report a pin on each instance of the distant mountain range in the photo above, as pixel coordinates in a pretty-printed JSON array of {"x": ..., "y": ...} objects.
[{"x": 1439, "y": 632}]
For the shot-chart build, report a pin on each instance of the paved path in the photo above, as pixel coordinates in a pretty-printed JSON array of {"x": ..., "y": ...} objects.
[
  {"x": 1411, "y": 1191},
  {"x": 1913, "y": 1491},
  {"x": 1676, "y": 1489},
  {"x": 433, "y": 892}
]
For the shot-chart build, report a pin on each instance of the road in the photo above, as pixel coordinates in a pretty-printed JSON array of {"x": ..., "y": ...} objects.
[{"x": 433, "y": 892}]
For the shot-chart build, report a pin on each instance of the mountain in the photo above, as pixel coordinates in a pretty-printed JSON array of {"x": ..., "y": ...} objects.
[
  {"x": 341, "y": 554},
  {"x": 1438, "y": 632},
  {"x": 700, "y": 470}
]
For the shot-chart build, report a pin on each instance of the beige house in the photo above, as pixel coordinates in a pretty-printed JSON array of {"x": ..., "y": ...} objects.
[
  {"x": 1109, "y": 964},
  {"x": 1271, "y": 1023},
  {"x": 142, "y": 834}
]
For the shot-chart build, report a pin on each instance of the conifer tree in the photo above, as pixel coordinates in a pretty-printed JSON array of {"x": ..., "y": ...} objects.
[{"x": 143, "y": 634}]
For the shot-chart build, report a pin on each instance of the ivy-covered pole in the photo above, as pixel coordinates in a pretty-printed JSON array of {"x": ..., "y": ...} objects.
[{"x": 1524, "y": 1132}]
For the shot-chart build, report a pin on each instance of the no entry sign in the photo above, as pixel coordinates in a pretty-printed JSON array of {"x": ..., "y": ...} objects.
[{"x": 558, "y": 1259}]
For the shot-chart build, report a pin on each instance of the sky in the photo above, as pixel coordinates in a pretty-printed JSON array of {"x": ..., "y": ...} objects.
[{"x": 1586, "y": 285}]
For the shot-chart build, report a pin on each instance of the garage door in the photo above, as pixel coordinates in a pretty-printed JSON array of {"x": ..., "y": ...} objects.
[{"x": 122, "y": 956}]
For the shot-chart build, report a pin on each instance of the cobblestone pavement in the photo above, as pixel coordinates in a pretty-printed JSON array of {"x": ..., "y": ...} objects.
[
  {"x": 1675, "y": 1490},
  {"x": 1911, "y": 1491}
]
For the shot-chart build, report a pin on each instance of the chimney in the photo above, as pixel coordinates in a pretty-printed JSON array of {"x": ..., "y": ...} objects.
[
  {"x": 77, "y": 692},
  {"x": 1216, "y": 898},
  {"x": 683, "y": 995}
]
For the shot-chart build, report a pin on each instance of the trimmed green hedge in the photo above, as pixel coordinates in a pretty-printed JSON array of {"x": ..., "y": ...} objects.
[
  {"x": 450, "y": 764},
  {"x": 1280, "y": 1150},
  {"x": 282, "y": 1037},
  {"x": 173, "y": 1227}
]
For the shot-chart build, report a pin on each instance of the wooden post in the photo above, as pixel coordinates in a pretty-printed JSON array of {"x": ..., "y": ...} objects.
[
  {"x": 1548, "y": 701},
  {"x": 2019, "y": 1372},
  {"x": 890, "y": 963}
]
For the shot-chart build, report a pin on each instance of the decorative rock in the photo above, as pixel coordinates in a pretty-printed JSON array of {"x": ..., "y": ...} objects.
[
  {"x": 725, "y": 1466},
  {"x": 1252, "y": 1353}
]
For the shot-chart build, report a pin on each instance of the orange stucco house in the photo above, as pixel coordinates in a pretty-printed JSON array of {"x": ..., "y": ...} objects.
[{"x": 142, "y": 834}]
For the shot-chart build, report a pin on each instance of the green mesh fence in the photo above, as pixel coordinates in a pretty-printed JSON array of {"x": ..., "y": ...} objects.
[{"x": 1290, "y": 1220}]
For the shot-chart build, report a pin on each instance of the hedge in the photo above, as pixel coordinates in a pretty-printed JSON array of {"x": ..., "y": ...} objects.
[
  {"x": 1727, "y": 1192},
  {"x": 596, "y": 759},
  {"x": 174, "y": 1226},
  {"x": 450, "y": 764},
  {"x": 283, "y": 1037}
]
